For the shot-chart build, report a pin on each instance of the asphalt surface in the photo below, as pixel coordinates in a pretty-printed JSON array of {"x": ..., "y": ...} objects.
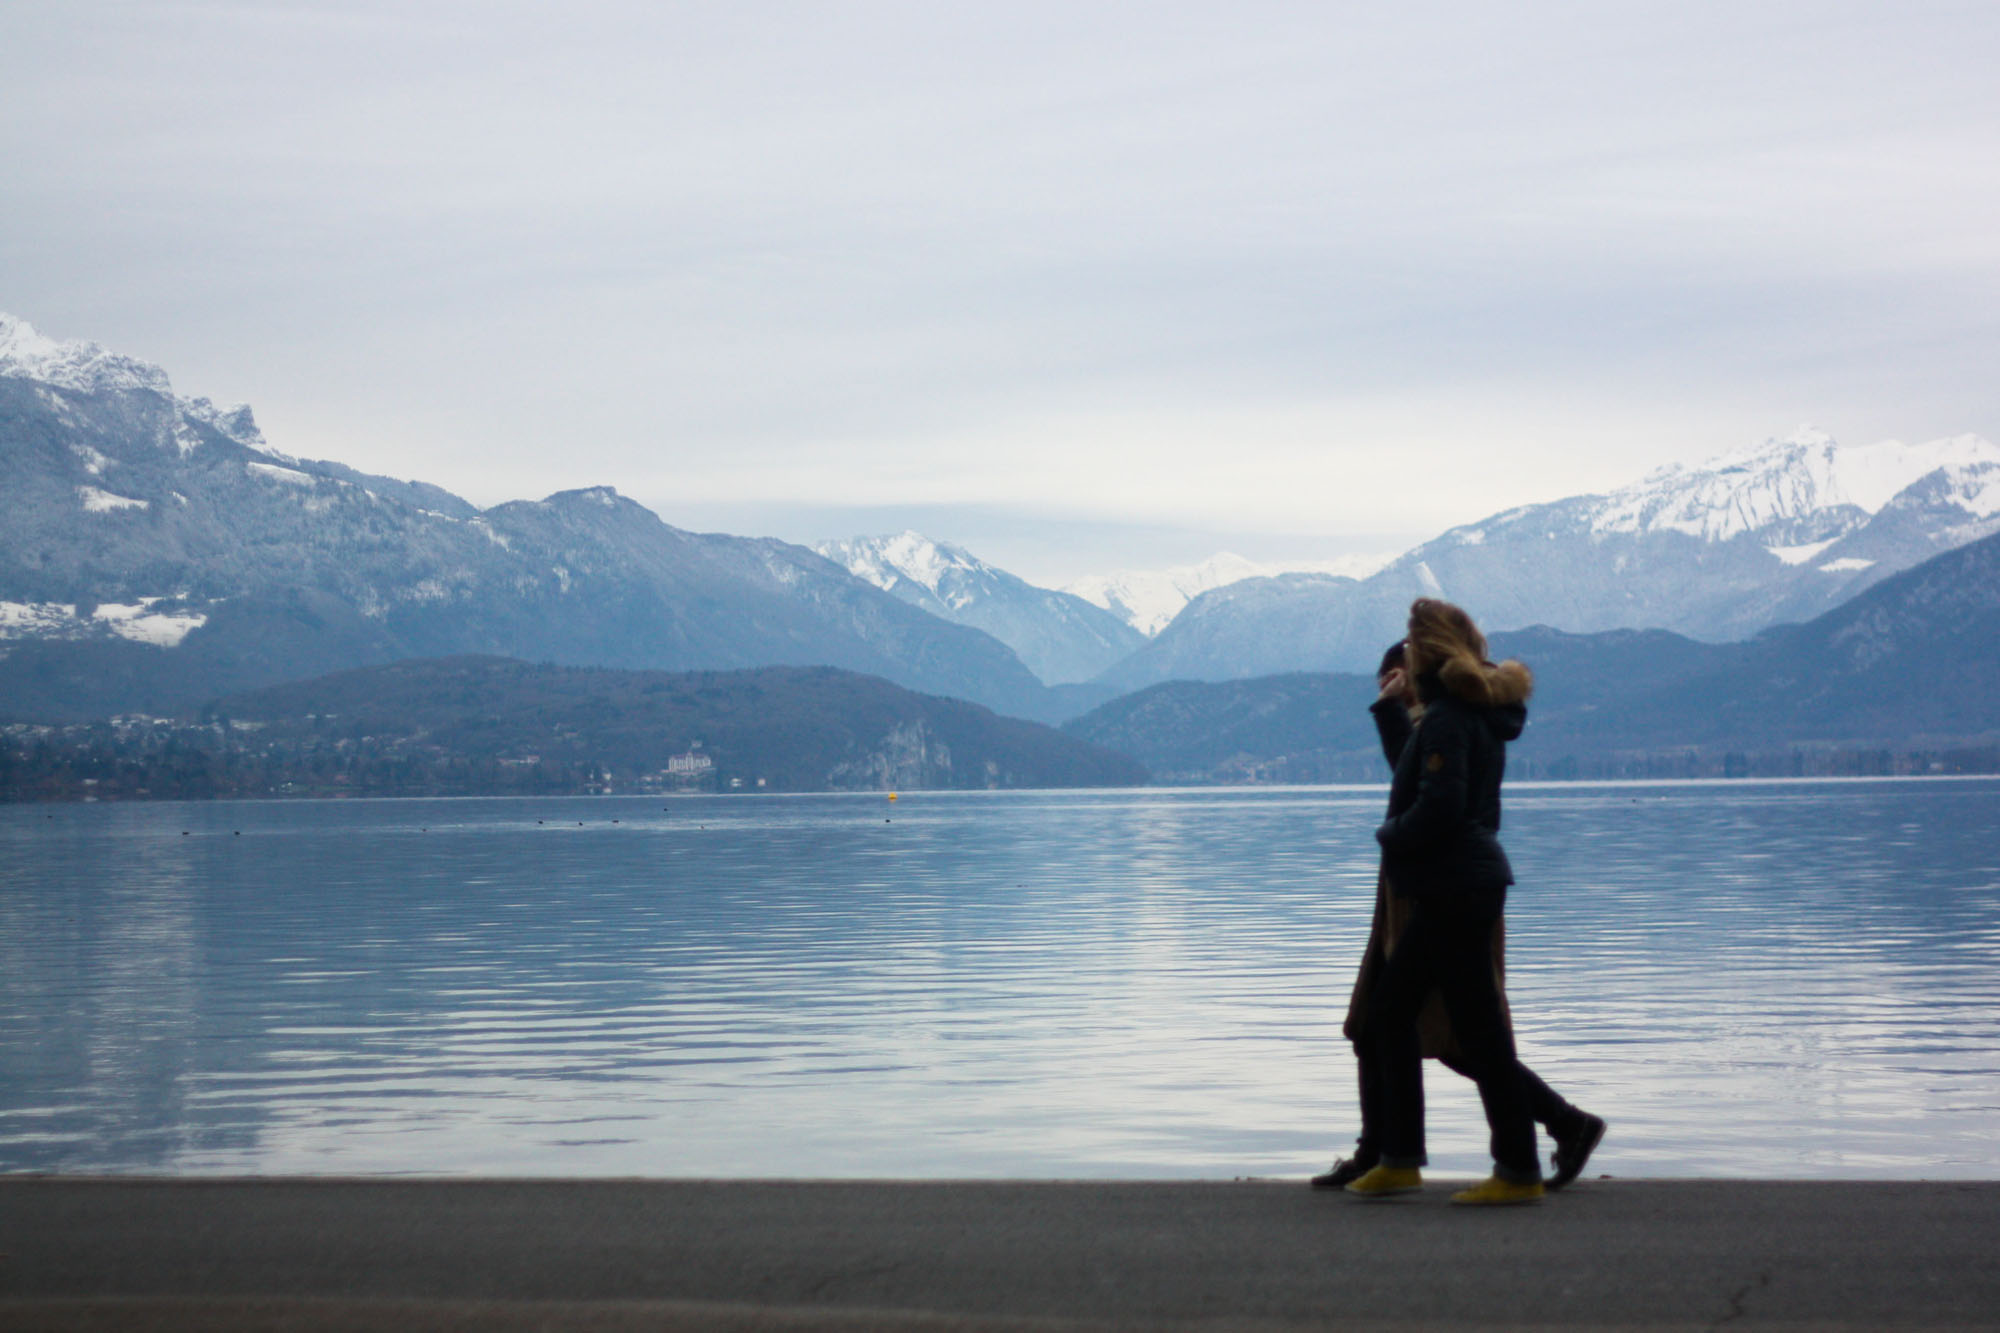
[{"x": 328, "y": 1254}]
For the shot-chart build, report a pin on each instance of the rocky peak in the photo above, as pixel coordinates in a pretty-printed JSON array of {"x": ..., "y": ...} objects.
[{"x": 82, "y": 367}]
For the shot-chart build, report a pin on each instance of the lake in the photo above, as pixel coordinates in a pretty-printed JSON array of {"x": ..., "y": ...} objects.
[{"x": 1780, "y": 979}]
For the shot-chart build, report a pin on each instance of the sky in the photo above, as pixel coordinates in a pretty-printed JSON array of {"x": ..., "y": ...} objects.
[{"x": 1080, "y": 286}]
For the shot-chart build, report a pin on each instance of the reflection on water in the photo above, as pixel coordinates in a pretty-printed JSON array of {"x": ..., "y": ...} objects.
[{"x": 1779, "y": 979}]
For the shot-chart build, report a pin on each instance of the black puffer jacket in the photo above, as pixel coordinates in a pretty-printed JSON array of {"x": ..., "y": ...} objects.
[{"x": 1441, "y": 840}]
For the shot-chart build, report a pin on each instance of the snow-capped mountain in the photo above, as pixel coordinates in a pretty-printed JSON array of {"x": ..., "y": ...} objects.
[
  {"x": 1061, "y": 637},
  {"x": 156, "y": 552},
  {"x": 1908, "y": 664},
  {"x": 81, "y": 367},
  {"x": 1792, "y": 494},
  {"x": 1149, "y": 599},
  {"x": 1775, "y": 534}
]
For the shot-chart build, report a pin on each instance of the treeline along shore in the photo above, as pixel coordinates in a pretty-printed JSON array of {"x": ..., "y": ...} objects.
[
  {"x": 472, "y": 726},
  {"x": 148, "y": 759},
  {"x": 485, "y": 726}
]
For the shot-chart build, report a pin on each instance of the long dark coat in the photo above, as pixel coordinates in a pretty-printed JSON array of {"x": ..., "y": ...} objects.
[{"x": 1392, "y": 914}]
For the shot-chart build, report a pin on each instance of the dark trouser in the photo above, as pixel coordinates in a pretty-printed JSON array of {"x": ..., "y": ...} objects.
[
  {"x": 1545, "y": 1104},
  {"x": 1453, "y": 956}
]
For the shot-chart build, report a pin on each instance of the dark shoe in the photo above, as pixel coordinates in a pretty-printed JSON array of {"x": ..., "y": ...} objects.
[
  {"x": 1344, "y": 1172},
  {"x": 1574, "y": 1149}
]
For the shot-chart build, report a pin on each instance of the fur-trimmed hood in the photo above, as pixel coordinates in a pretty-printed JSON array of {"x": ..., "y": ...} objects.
[
  {"x": 1504, "y": 710},
  {"x": 1492, "y": 683}
]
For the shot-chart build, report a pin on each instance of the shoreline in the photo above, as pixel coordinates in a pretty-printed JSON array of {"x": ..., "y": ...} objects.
[
  {"x": 317, "y": 1253},
  {"x": 1369, "y": 788}
]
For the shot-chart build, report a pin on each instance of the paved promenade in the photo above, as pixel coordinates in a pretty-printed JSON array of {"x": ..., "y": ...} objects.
[{"x": 313, "y": 1255}]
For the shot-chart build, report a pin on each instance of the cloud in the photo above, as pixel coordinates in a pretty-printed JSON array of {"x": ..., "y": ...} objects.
[{"x": 1141, "y": 260}]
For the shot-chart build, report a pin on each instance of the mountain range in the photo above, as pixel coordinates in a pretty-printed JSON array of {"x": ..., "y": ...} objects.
[
  {"x": 157, "y": 552},
  {"x": 1765, "y": 536},
  {"x": 1909, "y": 664}
]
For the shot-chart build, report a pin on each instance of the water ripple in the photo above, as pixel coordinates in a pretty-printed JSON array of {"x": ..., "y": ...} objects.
[{"x": 1747, "y": 979}]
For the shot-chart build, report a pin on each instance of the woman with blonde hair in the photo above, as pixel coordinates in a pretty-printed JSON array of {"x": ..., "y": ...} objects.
[
  {"x": 1441, "y": 850},
  {"x": 1576, "y": 1132}
]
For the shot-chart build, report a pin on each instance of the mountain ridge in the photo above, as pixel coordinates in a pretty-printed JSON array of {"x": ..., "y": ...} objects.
[
  {"x": 1062, "y": 638},
  {"x": 231, "y": 565},
  {"x": 1911, "y": 664},
  {"x": 1779, "y": 538},
  {"x": 158, "y": 550},
  {"x": 1149, "y": 599}
]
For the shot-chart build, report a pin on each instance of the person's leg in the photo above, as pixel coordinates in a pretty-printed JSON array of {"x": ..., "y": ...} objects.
[
  {"x": 1396, "y": 1088},
  {"x": 1577, "y": 1132},
  {"x": 1465, "y": 975},
  {"x": 1367, "y": 1148},
  {"x": 1546, "y": 1105},
  {"x": 1368, "y": 1081}
]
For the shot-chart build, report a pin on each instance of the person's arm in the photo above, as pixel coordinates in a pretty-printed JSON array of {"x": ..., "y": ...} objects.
[
  {"x": 1439, "y": 809},
  {"x": 1392, "y": 716},
  {"x": 1392, "y": 724}
]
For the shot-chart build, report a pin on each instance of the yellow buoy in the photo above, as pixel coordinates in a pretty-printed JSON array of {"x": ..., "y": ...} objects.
[{"x": 892, "y": 796}]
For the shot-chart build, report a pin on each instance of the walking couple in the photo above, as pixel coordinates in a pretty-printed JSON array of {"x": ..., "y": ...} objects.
[{"x": 1431, "y": 980}]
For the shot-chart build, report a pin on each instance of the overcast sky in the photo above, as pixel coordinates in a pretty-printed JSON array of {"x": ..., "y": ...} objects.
[{"x": 1079, "y": 285}]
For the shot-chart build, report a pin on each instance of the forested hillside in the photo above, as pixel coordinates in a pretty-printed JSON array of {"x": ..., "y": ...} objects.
[{"x": 481, "y": 725}]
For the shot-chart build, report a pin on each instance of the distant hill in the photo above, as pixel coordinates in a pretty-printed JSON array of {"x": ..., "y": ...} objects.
[
  {"x": 1910, "y": 667},
  {"x": 481, "y": 725},
  {"x": 1304, "y": 727}
]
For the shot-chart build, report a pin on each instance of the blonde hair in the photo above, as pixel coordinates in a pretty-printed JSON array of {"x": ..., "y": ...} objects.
[{"x": 1444, "y": 639}]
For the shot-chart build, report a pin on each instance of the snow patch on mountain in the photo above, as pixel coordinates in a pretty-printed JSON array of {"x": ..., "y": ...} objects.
[
  {"x": 138, "y": 622},
  {"x": 35, "y": 620},
  {"x": 289, "y": 476},
  {"x": 104, "y": 502},
  {"x": 1798, "y": 555}
]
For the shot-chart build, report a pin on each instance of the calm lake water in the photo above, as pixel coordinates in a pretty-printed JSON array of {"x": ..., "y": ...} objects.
[{"x": 1749, "y": 979}]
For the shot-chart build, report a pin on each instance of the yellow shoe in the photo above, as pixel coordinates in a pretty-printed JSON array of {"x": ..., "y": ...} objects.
[
  {"x": 1495, "y": 1190},
  {"x": 1382, "y": 1181}
]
